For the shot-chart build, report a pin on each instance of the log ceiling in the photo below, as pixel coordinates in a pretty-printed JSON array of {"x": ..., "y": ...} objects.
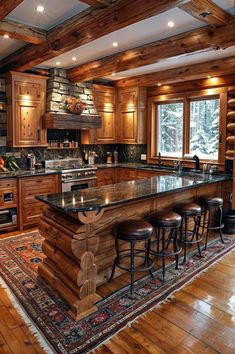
[
  {"x": 97, "y": 4},
  {"x": 83, "y": 28},
  {"x": 106, "y": 16},
  {"x": 194, "y": 41},
  {"x": 23, "y": 32},
  {"x": 218, "y": 67},
  {"x": 6, "y": 6},
  {"x": 207, "y": 11}
]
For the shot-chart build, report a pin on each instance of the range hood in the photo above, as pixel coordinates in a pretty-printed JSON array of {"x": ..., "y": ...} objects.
[{"x": 70, "y": 121}]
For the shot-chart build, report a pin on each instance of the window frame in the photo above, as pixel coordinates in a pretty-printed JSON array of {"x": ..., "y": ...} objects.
[{"x": 186, "y": 98}]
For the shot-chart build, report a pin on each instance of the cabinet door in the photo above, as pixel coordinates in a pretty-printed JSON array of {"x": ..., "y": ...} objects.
[
  {"x": 28, "y": 130},
  {"x": 126, "y": 174},
  {"x": 105, "y": 176},
  {"x": 106, "y": 134},
  {"x": 127, "y": 127},
  {"x": 27, "y": 90}
]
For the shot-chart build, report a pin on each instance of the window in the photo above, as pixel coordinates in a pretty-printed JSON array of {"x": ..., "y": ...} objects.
[
  {"x": 187, "y": 125},
  {"x": 170, "y": 129},
  {"x": 204, "y": 128}
]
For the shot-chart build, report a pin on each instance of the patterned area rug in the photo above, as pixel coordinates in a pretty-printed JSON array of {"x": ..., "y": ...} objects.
[{"x": 46, "y": 311}]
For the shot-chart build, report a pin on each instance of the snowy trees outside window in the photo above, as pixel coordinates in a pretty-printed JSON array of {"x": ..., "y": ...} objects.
[
  {"x": 204, "y": 128},
  {"x": 170, "y": 129}
]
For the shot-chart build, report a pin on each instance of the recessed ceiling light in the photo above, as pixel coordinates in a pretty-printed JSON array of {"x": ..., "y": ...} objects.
[
  {"x": 6, "y": 36},
  {"x": 209, "y": 77},
  {"x": 40, "y": 8},
  {"x": 113, "y": 74},
  {"x": 58, "y": 63},
  {"x": 159, "y": 84},
  {"x": 171, "y": 24},
  {"x": 115, "y": 44},
  {"x": 74, "y": 58}
]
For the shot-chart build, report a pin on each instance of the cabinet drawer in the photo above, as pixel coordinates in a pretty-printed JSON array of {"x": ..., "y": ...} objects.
[
  {"x": 38, "y": 183},
  {"x": 7, "y": 183},
  {"x": 31, "y": 212}
]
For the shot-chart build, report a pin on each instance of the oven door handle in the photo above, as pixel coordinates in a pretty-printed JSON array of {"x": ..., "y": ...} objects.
[{"x": 80, "y": 180}]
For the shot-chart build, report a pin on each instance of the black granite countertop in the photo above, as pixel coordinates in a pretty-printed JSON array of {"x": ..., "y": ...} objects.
[
  {"x": 26, "y": 173},
  {"x": 126, "y": 192}
]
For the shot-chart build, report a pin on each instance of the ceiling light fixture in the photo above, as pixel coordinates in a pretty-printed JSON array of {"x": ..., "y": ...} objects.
[
  {"x": 159, "y": 84},
  {"x": 74, "y": 58},
  {"x": 205, "y": 14},
  {"x": 171, "y": 24},
  {"x": 6, "y": 36},
  {"x": 209, "y": 77},
  {"x": 58, "y": 63},
  {"x": 40, "y": 8},
  {"x": 113, "y": 74},
  {"x": 115, "y": 44}
]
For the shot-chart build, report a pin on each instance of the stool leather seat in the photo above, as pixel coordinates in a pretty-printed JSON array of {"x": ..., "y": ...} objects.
[
  {"x": 188, "y": 209},
  {"x": 212, "y": 202},
  {"x": 134, "y": 229},
  {"x": 165, "y": 218}
]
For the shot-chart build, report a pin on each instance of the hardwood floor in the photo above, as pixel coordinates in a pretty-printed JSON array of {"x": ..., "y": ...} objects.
[{"x": 200, "y": 319}]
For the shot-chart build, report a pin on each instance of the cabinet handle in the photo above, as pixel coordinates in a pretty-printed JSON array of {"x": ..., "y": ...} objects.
[{"x": 39, "y": 135}]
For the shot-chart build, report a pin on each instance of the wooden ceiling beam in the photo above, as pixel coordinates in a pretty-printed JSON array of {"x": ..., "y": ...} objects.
[
  {"x": 206, "y": 11},
  {"x": 190, "y": 42},
  {"x": 85, "y": 27},
  {"x": 224, "y": 66},
  {"x": 6, "y": 6},
  {"x": 22, "y": 32},
  {"x": 97, "y": 4}
]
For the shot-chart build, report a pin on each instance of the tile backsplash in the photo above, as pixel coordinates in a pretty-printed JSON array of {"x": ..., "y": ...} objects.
[{"x": 126, "y": 153}]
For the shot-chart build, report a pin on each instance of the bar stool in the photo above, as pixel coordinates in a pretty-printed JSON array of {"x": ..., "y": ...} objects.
[
  {"x": 189, "y": 211},
  {"x": 133, "y": 231},
  {"x": 209, "y": 205},
  {"x": 166, "y": 221}
]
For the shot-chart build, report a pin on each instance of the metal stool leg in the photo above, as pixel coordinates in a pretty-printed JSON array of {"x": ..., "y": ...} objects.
[
  {"x": 198, "y": 223},
  {"x": 220, "y": 223},
  {"x": 147, "y": 247},
  {"x": 185, "y": 237},
  {"x": 208, "y": 226},
  {"x": 132, "y": 267},
  {"x": 175, "y": 245}
]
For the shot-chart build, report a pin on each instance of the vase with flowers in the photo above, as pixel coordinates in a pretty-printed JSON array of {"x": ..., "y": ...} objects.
[{"x": 74, "y": 105}]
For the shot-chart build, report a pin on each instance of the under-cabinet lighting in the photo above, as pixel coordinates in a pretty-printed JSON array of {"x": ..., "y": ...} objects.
[
  {"x": 6, "y": 36},
  {"x": 171, "y": 24},
  {"x": 40, "y": 8}
]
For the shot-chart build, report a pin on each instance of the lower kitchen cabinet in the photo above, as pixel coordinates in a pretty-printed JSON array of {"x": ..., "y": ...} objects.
[
  {"x": 29, "y": 207},
  {"x": 8, "y": 204},
  {"x": 126, "y": 174},
  {"x": 145, "y": 174},
  {"x": 105, "y": 176}
]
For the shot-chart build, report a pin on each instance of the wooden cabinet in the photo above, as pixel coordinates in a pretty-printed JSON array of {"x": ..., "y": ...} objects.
[
  {"x": 126, "y": 174},
  {"x": 105, "y": 103},
  {"x": 29, "y": 187},
  {"x": 145, "y": 174},
  {"x": 132, "y": 115},
  {"x": 106, "y": 176},
  {"x": 25, "y": 106}
]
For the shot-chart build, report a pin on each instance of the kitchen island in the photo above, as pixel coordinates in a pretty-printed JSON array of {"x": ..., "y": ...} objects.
[{"x": 78, "y": 229}]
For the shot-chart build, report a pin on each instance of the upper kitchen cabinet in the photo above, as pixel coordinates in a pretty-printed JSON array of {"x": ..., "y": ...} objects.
[
  {"x": 105, "y": 103},
  {"x": 26, "y": 100},
  {"x": 132, "y": 115}
]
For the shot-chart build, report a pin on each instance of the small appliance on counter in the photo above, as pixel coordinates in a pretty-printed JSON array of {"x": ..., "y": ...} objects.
[
  {"x": 31, "y": 160},
  {"x": 109, "y": 158},
  {"x": 115, "y": 156}
]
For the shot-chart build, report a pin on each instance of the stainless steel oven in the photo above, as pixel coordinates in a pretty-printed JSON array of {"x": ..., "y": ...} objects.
[
  {"x": 72, "y": 185},
  {"x": 8, "y": 217}
]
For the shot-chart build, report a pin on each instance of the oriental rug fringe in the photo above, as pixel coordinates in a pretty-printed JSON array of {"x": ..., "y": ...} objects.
[{"x": 45, "y": 312}]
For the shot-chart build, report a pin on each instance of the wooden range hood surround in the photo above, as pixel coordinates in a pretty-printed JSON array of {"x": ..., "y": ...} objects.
[{"x": 66, "y": 121}]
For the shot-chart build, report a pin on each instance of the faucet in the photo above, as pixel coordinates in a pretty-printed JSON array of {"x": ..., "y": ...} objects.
[
  {"x": 197, "y": 162},
  {"x": 195, "y": 158},
  {"x": 159, "y": 160}
]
